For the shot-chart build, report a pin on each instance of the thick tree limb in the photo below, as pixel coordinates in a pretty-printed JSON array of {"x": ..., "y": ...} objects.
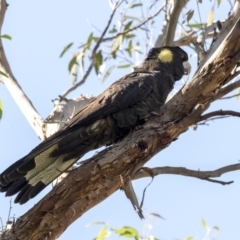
[
  {"x": 23, "y": 102},
  {"x": 203, "y": 175},
  {"x": 99, "y": 177}
]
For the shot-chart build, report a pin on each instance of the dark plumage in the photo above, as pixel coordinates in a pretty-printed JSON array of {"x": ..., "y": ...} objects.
[{"x": 104, "y": 121}]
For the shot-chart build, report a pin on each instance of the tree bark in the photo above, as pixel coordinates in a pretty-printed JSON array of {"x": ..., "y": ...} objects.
[{"x": 102, "y": 175}]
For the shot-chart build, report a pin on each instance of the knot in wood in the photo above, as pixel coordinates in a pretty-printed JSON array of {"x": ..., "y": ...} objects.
[
  {"x": 71, "y": 212},
  {"x": 142, "y": 145}
]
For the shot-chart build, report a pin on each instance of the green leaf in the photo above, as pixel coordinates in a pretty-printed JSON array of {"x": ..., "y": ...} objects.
[
  {"x": 98, "y": 61},
  {"x": 89, "y": 41},
  {"x": 1, "y": 109},
  {"x": 65, "y": 49},
  {"x": 124, "y": 66},
  {"x": 93, "y": 223},
  {"x": 128, "y": 25},
  {"x": 74, "y": 73},
  {"x": 102, "y": 234},
  {"x": 81, "y": 58},
  {"x": 129, "y": 36},
  {"x": 204, "y": 224},
  {"x": 189, "y": 15},
  {"x": 107, "y": 74},
  {"x": 113, "y": 30},
  {"x": 133, "y": 18},
  {"x": 4, "y": 74},
  {"x": 96, "y": 39},
  {"x": 129, "y": 48},
  {"x": 6, "y": 36},
  {"x": 189, "y": 238},
  {"x": 72, "y": 62},
  {"x": 196, "y": 25},
  {"x": 114, "y": 54},
  {"x": 116, "y": 43},
  {"x": 127, "y": 232},
  {"x": 219, "y": 2},
  {"x": 136, "y": 5}
]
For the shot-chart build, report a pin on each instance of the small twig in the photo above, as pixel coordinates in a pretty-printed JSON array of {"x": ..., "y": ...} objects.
[
  {"x": 212, "y": 119},
  {"x": 219, "y": 113},
  {"x": 229, "y": 88},
  {"x": 82, "y": 81},
  {"x": 233, "y": 96},
  {"x": 2, "y": 227},
  {"x": 9, "y": 212},
  {"x": 193, "y": 37},
  {"x": 220, "y": 182},
  {"x": 133, "y": 28},
  {"x": 203, "y": 175}
]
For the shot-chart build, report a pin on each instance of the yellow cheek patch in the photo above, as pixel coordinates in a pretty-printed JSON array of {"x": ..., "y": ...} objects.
[{"x": 165, "y": 56}]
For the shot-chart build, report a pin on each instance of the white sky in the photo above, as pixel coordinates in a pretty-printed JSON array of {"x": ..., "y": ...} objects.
[{"x": 40, "y": 30}]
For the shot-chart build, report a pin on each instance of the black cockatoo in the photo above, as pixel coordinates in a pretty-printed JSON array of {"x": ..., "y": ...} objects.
[{"x": 107, "y": 119}]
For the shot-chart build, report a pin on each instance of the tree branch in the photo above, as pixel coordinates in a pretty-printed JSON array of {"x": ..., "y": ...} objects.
[
  {"x": 203, "y": 175},
  {"x": 173, "y": 20},
  {"x": 163, "y": 32},
  {"x": 101, "y": 39},
  {"x": 133, "y": 28},
  {"x": 64, "y": 109},
  {"x": 99, "y": 177},
  {"x": 232, "y": 96},
  {"x": 25, "y": 105},
  {"x": 232, "y": 19},
  {"x": 225, "y": 90},
  {"x": 218, "y": 113},
  {"x": 205, "y": 33}
]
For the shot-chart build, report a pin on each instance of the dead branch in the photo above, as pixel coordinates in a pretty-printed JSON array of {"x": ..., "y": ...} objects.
[
  {"x": 218, "y": 113},
  {"x": 203, "y": 175}
]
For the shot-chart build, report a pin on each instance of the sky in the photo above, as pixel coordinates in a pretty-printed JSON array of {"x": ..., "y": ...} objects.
[{"x": 40, "y": 30}]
